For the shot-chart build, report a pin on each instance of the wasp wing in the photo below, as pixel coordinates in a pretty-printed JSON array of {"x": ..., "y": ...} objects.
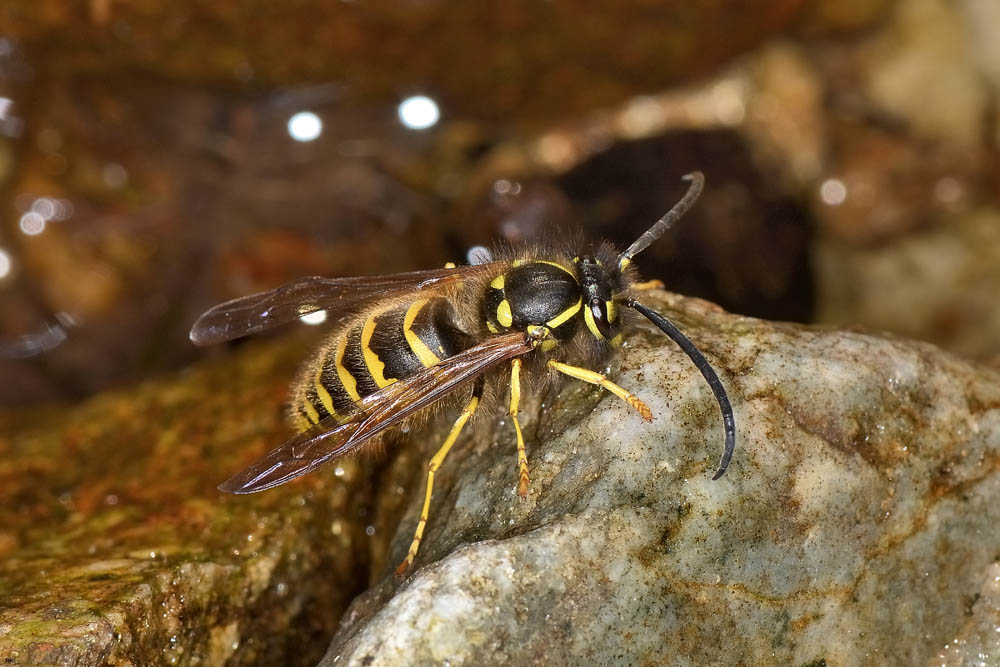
[
  {"x": 385, "y": 408},
  {"x": 338, "y": 296}
]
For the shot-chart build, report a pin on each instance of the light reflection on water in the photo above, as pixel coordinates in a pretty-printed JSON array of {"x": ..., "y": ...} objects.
[
  {"x": 32, "y": 223},
  {"x": 305, "y": 126},
  {"x": 419, "y": 112},
  {"x": 50, "y": 336}
]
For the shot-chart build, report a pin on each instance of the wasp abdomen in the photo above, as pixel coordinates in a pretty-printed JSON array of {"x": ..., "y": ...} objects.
[{"x": 385, "y": 346}]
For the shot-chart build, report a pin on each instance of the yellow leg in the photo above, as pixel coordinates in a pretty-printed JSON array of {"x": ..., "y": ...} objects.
[
  {"x": 596, "y": 378},
  {"x": 515, "y": 398},
  {"x": 648, "y": 285},
  {"x": 432, "y": 467}
]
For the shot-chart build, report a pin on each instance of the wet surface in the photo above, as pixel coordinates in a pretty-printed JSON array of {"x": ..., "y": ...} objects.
[{"x": 117, "y": 548}]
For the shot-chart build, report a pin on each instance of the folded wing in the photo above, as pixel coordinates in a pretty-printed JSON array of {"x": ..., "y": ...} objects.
[{"x": 375, "y": 413}]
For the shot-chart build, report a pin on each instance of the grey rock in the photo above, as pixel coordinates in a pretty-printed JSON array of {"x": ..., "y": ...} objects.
[
  {"x": 856, "y": 524},
  {"x": 978, "y": 642}
]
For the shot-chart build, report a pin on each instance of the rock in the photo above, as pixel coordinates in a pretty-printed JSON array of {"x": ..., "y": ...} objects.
[
  {"x": 978, "y": 642},
  {"x": 856, "y": 525},
  {"x": 116, "y": 547}
]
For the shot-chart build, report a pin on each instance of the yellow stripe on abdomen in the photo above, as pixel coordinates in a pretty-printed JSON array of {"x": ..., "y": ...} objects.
[
  {"x": 374, "y": 364},
  {"x": 419, "y": 348},
  {"x": 346, "y": 379},
  {"x": 322, "y": 393},
  {"x": 310, "y": 411}
]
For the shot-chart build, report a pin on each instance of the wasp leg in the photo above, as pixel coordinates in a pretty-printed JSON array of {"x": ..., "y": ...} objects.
[
  {"x": 515, "y": 398},
  {"x": 432, "y": 467},
  {"x": 594, "y": 377},
  {"x": 648, "y": 285}
]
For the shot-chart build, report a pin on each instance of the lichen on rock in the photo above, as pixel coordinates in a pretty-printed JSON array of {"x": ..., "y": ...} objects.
[{"x": 116, "y": 547}]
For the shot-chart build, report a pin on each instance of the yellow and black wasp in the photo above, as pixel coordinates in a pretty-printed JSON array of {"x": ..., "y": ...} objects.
[{"x": 406, "y": 343}]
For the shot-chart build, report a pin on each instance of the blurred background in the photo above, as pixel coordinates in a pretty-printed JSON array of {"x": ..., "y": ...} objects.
[{"x": 157, "y": 158}]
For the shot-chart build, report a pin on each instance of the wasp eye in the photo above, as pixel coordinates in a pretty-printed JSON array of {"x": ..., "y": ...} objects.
[{"x": 600, "y": 314}]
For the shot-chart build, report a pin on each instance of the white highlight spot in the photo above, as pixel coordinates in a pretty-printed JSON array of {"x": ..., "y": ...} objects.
[
  {"x": 317, "y": 317},
  {"x": 305, "y": 126},
  {"x": 419, "y": 112},
  {"x": 64, "y": 209},
  {"x": 503, "y": 187},
  {"x": 44, "y": 207},
  {"x": 478, "y": 254},
  {"x": 833, "y": 192},
  {"x": 4, "y": 264},
  {"x": 32, "y": 223}
]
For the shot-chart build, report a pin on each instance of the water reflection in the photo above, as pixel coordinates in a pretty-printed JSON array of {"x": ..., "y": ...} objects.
[
  {"x": 51, "y": 335},
  {"x": 44, "y": 207},
  {"x": 32, "y": 223},
  {"x": 37, "y": 212},
  {"x": 305, "y": 126},
  {"x": 114, "y": 175},
  {"x": 10, "y": 125},
  {"x": 833, "y": 192},
  {"x": 419, "y": 112}
]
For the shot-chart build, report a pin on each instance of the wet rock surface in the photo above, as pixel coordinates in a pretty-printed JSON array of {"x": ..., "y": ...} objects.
[
  {"x": 116, "y": 548},
  {"x": 978, "y": 642},
  {"x": 855, "y": 526}
]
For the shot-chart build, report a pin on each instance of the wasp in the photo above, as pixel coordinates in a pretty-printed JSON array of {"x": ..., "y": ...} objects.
[{"x": 407, "y": 345}]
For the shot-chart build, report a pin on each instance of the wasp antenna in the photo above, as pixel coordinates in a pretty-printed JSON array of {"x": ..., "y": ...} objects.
[
  {"x": 729, "y": 423},
  {"x": 697, "y": 180}
]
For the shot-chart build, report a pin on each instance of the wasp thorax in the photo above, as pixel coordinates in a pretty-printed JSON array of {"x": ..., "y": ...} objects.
[{"x": 534, "y": 294}]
